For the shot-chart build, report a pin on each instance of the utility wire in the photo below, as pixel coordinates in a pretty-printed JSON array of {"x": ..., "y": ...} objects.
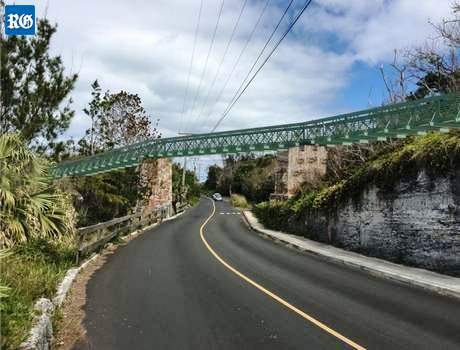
[
  {"x": 224, "y": 55},
  {"x": 260, "y": 53},
  {"x": 237, "y": 61},
  {"x": 307, "y": 4},
  {"x": 207, "y": 57},
  {"x": 191, "y": 64}
]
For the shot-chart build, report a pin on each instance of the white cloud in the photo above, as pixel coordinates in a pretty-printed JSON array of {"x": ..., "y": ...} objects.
[
  {"x": 373, "y": 29},
  {"x": 144, "y": 47}
]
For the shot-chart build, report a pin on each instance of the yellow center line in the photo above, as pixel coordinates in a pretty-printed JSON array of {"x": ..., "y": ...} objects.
[{"x": 271, "y": 294}]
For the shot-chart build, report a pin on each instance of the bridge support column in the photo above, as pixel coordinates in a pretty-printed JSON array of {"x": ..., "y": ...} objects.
[
  {"x": 297, "y": 166},
  {"x": 157, "y": 175}
]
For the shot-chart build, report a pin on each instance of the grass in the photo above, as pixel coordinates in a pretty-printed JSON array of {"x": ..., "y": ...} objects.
[
  {"x": 31, "y": 271},
  {"x": 239, "y": 201}
]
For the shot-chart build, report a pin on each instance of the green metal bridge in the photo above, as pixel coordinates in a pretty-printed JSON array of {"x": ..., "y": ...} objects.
[{"x": 440, "y": 113}]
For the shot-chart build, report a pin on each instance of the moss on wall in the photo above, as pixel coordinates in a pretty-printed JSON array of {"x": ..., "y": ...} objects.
[{"x": 435, "y": 153}]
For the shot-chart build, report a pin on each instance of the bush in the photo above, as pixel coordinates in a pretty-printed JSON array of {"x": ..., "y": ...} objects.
[
  {"x": 31, "y": 270},
  {"x": 239, "y": 201},
  {"x": 274, "y": 215},
  {"x": 31, "y": 206},
  {"x": 435, "y": 153}
]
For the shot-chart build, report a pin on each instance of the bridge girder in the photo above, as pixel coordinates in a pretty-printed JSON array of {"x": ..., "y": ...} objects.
[{"x": 439, "y": 113}]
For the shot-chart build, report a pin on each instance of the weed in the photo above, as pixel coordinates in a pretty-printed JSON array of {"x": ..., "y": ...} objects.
[{"x": 31, "y": 271}]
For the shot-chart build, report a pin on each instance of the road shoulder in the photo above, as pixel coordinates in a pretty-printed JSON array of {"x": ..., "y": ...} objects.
[
  {"x": 429, "y": 280},
  {"x": 70, "y": 332}
]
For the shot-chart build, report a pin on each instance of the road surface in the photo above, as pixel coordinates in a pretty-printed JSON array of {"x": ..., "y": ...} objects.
[{"x": 205, "y": 281}]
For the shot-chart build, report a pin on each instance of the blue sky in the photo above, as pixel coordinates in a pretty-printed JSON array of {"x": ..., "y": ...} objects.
[{"x": 328, "y": 65}]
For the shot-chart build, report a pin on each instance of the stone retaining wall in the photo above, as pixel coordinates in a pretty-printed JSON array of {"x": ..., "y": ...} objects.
[{"x": 418, "y": 223}]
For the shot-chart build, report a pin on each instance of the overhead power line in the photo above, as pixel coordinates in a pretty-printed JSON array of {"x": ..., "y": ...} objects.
[
  {"x": 224, "y": 55},
  {"x": 207, "y": 57},
  {"x": 248, "y": 40},
  {"x": 191, "y": 63},
  {"x": 307, "y": 4},
  {"x": 261, "y": 52}
]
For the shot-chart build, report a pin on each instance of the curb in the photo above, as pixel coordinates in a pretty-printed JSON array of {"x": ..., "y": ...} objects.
[
  {"x": 428, "y": 280},
  {"x": 41, "y": 334}
]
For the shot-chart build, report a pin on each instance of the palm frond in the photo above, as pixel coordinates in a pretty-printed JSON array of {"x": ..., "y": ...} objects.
[{"x": 30, "y": 206}]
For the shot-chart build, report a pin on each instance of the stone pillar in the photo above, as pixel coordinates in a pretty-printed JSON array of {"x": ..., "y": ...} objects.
[
  {"x": 297, "y": 166},
  {"x": 281, "y": 176},
  {"x": 157, "y": 174}
]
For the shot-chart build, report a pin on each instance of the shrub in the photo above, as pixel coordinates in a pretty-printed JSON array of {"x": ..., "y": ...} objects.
[
  {"x": 435, "y": 153},
  {"x": 239, "y": 201},
  {"x": 30, "y": 205},
  {"x": 31, "y": 270}
]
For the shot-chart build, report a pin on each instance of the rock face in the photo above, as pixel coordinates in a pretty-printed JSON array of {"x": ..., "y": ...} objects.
[{"x": 418, "y": 223}]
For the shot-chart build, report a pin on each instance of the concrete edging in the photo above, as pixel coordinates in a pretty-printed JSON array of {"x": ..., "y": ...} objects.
[
  {"x": 432, "y": 281},
  {"x": 41, "y": 334}
]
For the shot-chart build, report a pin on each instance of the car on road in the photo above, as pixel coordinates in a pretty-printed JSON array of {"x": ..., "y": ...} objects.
[{"x": 217, "y": 197}]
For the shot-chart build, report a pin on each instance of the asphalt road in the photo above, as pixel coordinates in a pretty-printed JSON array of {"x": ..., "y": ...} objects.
[{"x": 228, "y": 288}]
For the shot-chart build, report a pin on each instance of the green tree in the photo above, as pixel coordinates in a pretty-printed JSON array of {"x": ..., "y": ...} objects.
[
  {"x": 116, "y": 120},
  {"x": 94, "y": 111},
  {"x": 193, "y": 188},
  {"x": 214, "y": 174},
  {"x": 30, "y": 205},
  {"x": 34, "y": 88},
  {"x": 106, "y": 196},
  {"x": 248, "y": 175}
]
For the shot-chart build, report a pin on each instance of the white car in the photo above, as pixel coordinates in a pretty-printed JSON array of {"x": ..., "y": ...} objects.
[{"x": 217, "y": 197}]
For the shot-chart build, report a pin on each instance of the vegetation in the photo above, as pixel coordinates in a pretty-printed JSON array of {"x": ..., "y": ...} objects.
[
  {"x": 212, "y": 182},
  {"x": 34, "y": 88},
  {"x": 192, "y": 190},
  {"x": 31, "y": 270},
  {"x": 30, "y": 205},
  {"x": 430, "y": 70},
  {"x": 433, "y": 68},
  {"x": 239, "y": 201},
  {"x": 37, "y": 216},
  {"x": 103, "y": 197},
  {"x": 117, "y": 119},
  {"x": 37, "y": 223},
  {"x": 435, "y": 153},
  {"x": 247, "y": 175}
]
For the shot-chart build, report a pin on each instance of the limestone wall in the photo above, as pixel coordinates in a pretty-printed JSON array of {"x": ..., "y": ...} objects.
[
  {"x": 157, "y": 173},
  {"x": 299, "y": 165},
  {"x": 418, "y": 223}
]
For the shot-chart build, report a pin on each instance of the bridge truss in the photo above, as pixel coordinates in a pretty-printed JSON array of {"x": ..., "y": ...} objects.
[{"x": 439, "y": 113}]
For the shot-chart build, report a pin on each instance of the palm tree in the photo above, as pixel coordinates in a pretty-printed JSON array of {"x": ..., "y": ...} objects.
[{"x": 30, "y": 205}]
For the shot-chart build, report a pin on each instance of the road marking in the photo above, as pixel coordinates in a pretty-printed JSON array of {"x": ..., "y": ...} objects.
[{"x": 271, "y": 294}]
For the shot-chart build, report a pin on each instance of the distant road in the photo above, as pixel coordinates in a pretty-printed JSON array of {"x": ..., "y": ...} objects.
[{"x": 185, "y": 285}]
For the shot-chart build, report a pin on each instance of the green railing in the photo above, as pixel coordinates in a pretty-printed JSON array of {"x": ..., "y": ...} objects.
[{"x": 439, "y": 113}]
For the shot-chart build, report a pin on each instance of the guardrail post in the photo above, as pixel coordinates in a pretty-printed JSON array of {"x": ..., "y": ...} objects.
[{"x": 80, "y": 238}]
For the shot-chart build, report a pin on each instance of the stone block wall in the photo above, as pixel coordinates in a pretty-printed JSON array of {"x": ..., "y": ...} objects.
[
  {"x": 157, "y": 174},
  {"x": 418, "y": 223},
  {"x": 299, "y": 165}
]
